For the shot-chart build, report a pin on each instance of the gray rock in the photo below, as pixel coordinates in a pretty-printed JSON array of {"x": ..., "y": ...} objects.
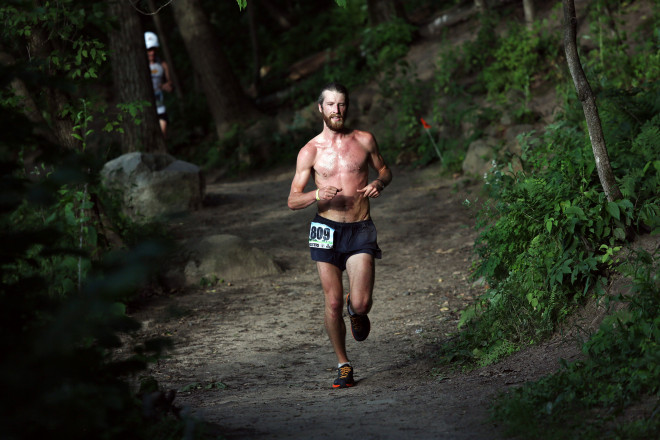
[
  {"x": 218, "y": 257},
  {"x": 154, "y": 185},
  {"x": 479, "y": 157}
]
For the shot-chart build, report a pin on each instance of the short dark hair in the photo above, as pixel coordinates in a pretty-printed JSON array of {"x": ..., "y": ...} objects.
[{"x": 333, "y": 87}]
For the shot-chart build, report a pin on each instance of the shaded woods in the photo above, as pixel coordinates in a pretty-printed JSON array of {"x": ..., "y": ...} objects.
[{"x": 559, "y": 205}]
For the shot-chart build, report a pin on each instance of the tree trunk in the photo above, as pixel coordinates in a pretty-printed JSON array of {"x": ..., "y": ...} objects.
[
  {"x": 225, "y": 97},
  {"x": 586, "y": 97},
  {"x": 56, "y": 100},
  {"x": 30, "y": 108},
  {"x": 528, "y": 8},
  {"x": 132, "y": 80}
]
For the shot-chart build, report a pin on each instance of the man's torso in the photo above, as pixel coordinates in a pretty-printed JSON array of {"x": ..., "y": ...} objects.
[
  {"x": 157, "y": 77},
  {"x": 343, "y": 164}
]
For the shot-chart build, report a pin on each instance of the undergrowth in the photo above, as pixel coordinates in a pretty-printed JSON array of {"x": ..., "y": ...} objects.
[
  {"x": 606, "y": 395},
  {"x": 550, "y": 240},
  {"x": 548, "y": 235}
]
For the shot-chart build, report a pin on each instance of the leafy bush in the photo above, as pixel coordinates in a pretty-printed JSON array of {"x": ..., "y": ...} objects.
[
  {"x": 518, "y": 61},
  {"x": 548, "y": 235},
  {"x": 66, "y": 368},
  {"x": 386, "y": 43},
  {"x": 620, "y": 58},
  {"x": 588, "y": 399},
  {"x": 59, "y": 370}
]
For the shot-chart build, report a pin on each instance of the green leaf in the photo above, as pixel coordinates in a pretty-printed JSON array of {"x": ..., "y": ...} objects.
[
  {"x": 620, "y": 234},
  {"x": 548, "y": 224},
  {"x": 613, "y": 210},
  {"x": 576, "y": 211}
]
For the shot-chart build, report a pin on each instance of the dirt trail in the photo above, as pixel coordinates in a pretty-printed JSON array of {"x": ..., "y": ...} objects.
[{"x": 257, "y": 350}]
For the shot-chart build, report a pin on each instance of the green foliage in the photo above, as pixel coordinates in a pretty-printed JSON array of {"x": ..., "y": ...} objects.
[
  {"x": 60, "y": 373},
  {"x": 548, "y": 235},
  {"x": 405, "y": 96},
  {"x": 493, "y": 64},
  {"x": 517, "y": 63},
  {"x": 379, "y": 50},
  {"x": 620, "y": 58},
  {"x": 477, "y": 53},
  {"x": 76, "y": 55},
  {"x": 66, "y": 364},
  {"x": 588, "y": 399},
  {"x": 386, "y": 43},
  {"x": 333, "y": 31}
]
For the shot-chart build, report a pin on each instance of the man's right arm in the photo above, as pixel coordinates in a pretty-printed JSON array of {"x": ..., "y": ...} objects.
[{"x": 298, "y": 199}]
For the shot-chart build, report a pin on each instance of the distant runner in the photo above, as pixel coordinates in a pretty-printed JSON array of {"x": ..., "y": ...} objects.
[{"x": 160, "y": 78}]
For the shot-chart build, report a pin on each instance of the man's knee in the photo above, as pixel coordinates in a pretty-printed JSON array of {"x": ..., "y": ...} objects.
[
  {"x": 361, "y": 304},
  {"x": 334, "y": 306}
]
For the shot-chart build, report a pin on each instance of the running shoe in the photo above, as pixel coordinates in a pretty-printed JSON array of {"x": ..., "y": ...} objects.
[
  {"x": 344, "y": 377},
  {"x": 360, "y": 324}
]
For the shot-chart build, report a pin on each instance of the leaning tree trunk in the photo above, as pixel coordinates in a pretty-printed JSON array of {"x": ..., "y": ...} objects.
[
  {"x": 586, "y": 97},
  {"x": 132, "y": 80},
  {"x": 225, "y": 97}
]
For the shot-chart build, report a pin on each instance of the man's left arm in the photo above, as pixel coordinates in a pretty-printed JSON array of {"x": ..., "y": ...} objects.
[
  {"x": 167, "y": 84},
  {"x": 376, "y": 161}
]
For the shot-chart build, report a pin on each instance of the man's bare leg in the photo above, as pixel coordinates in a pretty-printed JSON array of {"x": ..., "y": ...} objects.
[
  {"x": 331, "y": 281},
  {"x": 163, "y": 127},
  {"x": 361, "y": 271}
]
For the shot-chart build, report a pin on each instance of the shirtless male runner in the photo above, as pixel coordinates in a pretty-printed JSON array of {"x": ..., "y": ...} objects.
[{"x": 342, "y": 234}]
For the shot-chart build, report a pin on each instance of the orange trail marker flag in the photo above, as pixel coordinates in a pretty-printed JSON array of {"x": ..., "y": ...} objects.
[{"x": 426, "y": 128}]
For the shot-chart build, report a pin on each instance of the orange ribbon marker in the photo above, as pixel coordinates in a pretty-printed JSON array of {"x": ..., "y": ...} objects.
[{"x": 426, "y": 127}]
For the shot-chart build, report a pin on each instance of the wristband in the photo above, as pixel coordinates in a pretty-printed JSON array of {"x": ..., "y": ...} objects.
[
  {"x": 382, "y": 183},
  {"x": 317, "y": 195}
]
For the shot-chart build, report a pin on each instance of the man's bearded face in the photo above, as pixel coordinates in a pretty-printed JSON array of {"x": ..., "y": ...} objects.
[{"x": 334, "y": 110}]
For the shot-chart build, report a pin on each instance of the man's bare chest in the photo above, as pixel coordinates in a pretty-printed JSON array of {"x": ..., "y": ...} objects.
[{"x": 334, "y": 163}]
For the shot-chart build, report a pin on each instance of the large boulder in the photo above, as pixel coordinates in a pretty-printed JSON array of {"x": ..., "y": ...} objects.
[
  {"x": 485, "y": 153},
  {"x": 479, "y": 157},
  {"x": 218, "y": 257},
  {"x": 153, "y": 185}
]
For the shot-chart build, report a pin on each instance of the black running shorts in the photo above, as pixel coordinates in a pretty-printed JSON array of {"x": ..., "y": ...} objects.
[{"x": 334, "y": 242}]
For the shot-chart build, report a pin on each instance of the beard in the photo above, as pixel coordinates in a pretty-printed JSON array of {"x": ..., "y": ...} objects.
[{"x": 336, "y": 125}]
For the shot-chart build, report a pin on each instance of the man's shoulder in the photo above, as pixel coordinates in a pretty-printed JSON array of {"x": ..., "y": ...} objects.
[
  {"x": 311, "y": 145},
  {"x": 309, "y": 150},
  {"x": 360, "y": 134},
  {"x": 364, "y": 138}
]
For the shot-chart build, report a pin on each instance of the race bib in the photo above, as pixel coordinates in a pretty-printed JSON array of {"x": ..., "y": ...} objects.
[{"x": 321, "y": 236}]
